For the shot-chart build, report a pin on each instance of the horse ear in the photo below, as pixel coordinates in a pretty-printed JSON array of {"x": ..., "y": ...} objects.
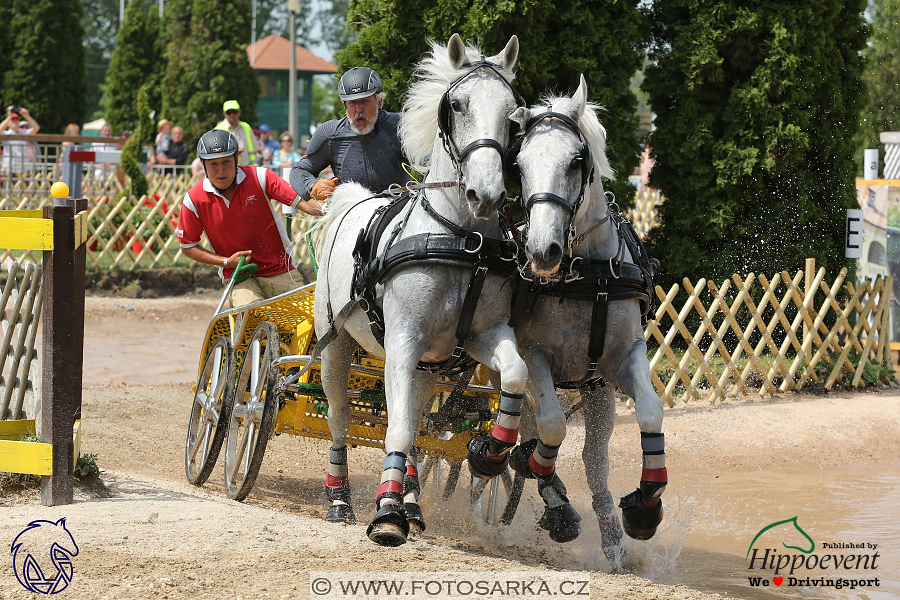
[
  {"x": 457, "y": 51},
  {"x": 579, "y": 100},
  {"x": 520, "y": 116},
  {"x": 510, "y": 54}
]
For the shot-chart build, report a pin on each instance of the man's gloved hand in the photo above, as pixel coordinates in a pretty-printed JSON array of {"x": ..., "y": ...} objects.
[{"x": 324, "y": 188}]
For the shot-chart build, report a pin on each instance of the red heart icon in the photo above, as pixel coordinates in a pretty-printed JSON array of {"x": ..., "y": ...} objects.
[{"x": 777, "y": 580}]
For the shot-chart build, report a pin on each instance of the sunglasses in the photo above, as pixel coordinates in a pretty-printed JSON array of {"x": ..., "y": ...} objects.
[
  {"x": 231, "y": 112},
  {"x": 286, "y": 140}
]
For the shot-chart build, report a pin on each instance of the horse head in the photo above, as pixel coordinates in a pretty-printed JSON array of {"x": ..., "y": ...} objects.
[
  {"x": 462, "y": 100},
  {"x": 560, "y": 162}
]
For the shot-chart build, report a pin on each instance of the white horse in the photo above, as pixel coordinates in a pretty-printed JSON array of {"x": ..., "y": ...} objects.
[
  {"x": 585, "y": 320},
  {"x": 457, "y": 110}
]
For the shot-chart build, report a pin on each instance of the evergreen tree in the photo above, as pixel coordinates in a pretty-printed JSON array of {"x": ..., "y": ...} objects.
[
  {"x": 135, "y": 62},
  {"x": 559, "y": 41},
  {"x": 756, "y": 109},
  {"x": 882, "y": 77},
  {"x": 207, "y": 63},
  {"x": 101, "y": 25},
  {"x": 143, "y": 135},
  {"x": 44, "y": 61}
]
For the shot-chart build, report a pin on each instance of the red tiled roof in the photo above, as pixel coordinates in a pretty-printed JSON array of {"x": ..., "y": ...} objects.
[{"x": 274, "y": 52}]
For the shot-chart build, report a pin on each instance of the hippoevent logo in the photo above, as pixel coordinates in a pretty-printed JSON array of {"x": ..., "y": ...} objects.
[
  {"x": 42, "y": 556},
  {"x": 805, "y": 567}
]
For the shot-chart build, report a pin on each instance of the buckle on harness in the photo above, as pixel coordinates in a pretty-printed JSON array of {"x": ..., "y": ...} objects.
[
  {"x": 602, "y": 296},
  {"x": 592, "y": 367},
  {"x": 457, "y": 352},
  {"x": 480, "y": 244}
]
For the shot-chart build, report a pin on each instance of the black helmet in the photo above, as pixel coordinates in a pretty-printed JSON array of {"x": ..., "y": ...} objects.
[
  {"x": 359, "y": 82},
  {"x": 216, "y": 144}
]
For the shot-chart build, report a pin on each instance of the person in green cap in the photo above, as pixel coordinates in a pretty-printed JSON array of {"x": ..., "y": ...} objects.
[{"x": 250, "y": 148}]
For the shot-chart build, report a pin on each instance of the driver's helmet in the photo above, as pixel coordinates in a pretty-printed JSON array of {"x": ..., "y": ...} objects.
[
  {"x": 359, "y": 82},
  {"x": 216, "y": 144}
]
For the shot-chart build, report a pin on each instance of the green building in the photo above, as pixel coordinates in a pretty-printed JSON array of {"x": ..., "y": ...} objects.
[{"x": 271, "y": 57}]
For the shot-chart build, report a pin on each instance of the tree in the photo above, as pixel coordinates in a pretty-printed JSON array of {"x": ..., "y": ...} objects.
[
  {"x": 559, "y": 41},
  {"x": 207, "y": 63},
  {"x": 45, "y": 59},
  {"x": 137, "y": 61},
  {"x": 101, "y": 25},
  {"x": 143, "y": 134},
  {"x": 756, "y": 108},
  {"x": 882, "y": 77},
  {"x": 333, "y": 21}
]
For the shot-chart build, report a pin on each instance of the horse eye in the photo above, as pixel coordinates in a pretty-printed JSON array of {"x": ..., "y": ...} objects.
[
  {"x": 456, "y": 106},
  {"x": 576, "y": 163}
]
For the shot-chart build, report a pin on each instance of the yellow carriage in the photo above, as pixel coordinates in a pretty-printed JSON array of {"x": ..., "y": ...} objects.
[{"x": 245, "y": 395}]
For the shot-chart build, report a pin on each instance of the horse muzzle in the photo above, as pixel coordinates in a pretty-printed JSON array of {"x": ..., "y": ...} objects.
[{"x": 545, "y": 263}]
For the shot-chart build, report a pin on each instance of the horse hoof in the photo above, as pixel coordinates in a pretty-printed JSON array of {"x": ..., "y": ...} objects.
[
  {"x": 479, "y": 464},
  {"x": 562, "y": 522},
  {"x": 387, "y": 534},
  {"x": 389, "y": 527},
  {"x": 611, "y": 537},
  {"x": 340, "y": 513},
  {"x": 639, "y": 520},
  {"x": 415, "y": 519},
  {"x": 519, "y": 459}
]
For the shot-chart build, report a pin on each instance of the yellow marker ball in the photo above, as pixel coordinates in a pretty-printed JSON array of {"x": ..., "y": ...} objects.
[{"x": 59, "y": 190}]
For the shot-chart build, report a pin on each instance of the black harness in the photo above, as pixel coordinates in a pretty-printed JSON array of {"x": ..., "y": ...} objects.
[{"x": 459, "y": 249}]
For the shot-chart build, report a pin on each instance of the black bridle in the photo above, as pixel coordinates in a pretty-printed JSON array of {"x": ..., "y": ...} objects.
[
  {"x": 445, "y": 108},
  {"x": 587, "y": 174}
]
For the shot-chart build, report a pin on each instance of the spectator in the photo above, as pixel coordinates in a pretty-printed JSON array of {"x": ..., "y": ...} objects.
[
  {"x": 269, "y": 146},
  {"x": 285, "y": 156},
  {"x": 197, "y": 167},
  {"x": 104, "y": 170},
  {"x": 355, "y": 148},
  {"x": 72, "y": 130},
  {"x": 176, "y": 153},
  {"x": 231, "y": 205},
  {"x": 18, "y": 154},
  {"x": 248, "y": 144},
  {"x": 163, "y": 135}
]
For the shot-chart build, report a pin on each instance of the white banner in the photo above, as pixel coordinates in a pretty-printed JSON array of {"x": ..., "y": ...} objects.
[{"x": 513, "y": 585}]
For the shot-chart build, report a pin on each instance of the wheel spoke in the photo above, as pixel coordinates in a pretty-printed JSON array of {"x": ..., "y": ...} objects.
[{"x": 239, "y": 452}]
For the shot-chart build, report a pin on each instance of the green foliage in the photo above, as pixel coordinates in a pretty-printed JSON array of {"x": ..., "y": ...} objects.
[
  {"x": 755, "y": 109},
  {"x": 136, "y": 61},
  {"x": 333, "y": 21},
  {"x": 325, "y": 98},
  {"x": 86, "y": 467},
  {"x": 141, "y": 136},
  {"x": 207, "y": 63},
  {"x": 874, "y": 373},
  {"x": 559, "y": 41},
  {"x": 101, "y": 24},
  {"x": 882, "y": 78},
  {"x": 44, "y": 61}
]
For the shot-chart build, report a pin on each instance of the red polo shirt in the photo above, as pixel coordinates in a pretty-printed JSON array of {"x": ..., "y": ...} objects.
[{"x": 246, "y": 222}]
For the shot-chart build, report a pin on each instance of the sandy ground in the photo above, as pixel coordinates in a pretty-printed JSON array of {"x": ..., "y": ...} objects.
[{"x": 143, "y": 532}]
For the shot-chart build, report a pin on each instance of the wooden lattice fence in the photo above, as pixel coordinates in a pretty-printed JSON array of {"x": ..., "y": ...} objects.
[
  {"x": 125, "y": 233},
  {"x": 20, "y": 315},
  {"x": 794, "y": 335},
  {"x": 643, "y": 215}
]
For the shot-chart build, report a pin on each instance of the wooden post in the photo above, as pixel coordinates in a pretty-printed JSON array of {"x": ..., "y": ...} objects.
[
  {"x": 61, "y": 397},
  {"x": 810, "y": 278},
  {"x": 80, "y": 263}
]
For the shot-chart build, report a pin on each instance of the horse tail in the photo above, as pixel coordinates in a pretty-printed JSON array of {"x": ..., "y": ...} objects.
[{"x": 345, "y": 197}]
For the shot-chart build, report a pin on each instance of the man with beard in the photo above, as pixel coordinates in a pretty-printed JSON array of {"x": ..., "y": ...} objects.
[{"x": 361, "y": 147}]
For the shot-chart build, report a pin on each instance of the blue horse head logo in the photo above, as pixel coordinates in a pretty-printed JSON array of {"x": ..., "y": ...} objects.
[{"x": 42, "y": 556}]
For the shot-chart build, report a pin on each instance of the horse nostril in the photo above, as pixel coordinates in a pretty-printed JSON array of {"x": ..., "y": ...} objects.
[
  {"x": 554, "y": 253},
  {"x": 472, "y": 196}
]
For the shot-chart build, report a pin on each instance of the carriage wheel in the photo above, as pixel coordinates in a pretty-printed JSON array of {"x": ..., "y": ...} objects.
[
  {"x": 252, "y": 419},
  {"x": 209, "y": 412},
  {"x": 489, "y": 512}
]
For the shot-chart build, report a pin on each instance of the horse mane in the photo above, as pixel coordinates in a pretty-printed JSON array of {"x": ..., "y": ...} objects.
[
  {"x": 344, "y": 198},
  {"x": 593, "y": 130},
  {"x": 433, "y": 75}
]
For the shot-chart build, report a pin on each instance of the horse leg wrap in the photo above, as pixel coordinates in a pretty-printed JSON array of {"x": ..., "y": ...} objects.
[
  {"x": 337, "y": 488},
  {"x": 411, "y": 498},
  {"x": 559, "y": 518},
  {"x": 390, "y": 516},
  {"x": 642, "y": 509},
  {"x": 488, "y": 457},
  {"x": 534, "y": 460}
]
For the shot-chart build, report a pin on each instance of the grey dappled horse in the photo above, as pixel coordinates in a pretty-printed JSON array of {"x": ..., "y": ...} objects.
[
  {"x": 561, "y": 162},
  {"x": 421, "y": 304}
]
